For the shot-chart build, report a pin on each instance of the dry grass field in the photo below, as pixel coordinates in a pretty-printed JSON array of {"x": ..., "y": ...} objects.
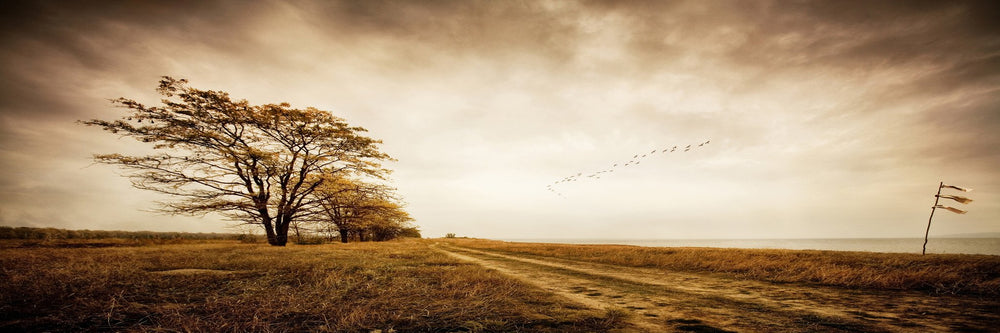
[
  {"x": 933, "y": 273},
  {"x": 404, "y": 286},
  {"x": 452, "y": 285},
  {"x": 738, "y": 290}
]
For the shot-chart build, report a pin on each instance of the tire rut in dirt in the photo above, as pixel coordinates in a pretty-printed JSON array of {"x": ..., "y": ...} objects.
[{"x": 671, "y": 307}]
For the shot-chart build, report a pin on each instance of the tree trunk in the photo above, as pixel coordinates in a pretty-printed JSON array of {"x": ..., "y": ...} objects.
[
  {"x": 269, "y": 231},
  {"x": 343, "y": 235},
  {"x": 281, "y": 236}
]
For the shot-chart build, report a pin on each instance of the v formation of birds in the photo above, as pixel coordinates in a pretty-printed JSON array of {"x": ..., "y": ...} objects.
[{"x": 635, "y": 160}]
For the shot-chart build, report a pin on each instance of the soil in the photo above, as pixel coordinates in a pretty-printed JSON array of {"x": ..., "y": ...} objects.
[{"x": 664, "y": 301}]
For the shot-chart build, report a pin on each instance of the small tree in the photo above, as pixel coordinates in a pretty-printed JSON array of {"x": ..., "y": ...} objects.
[
  {"x": 410, "y": 232},
  {"x": 254, "y": 163},
  {"x": 359, "y": 210},
  {"x": 386, "y": 221}
]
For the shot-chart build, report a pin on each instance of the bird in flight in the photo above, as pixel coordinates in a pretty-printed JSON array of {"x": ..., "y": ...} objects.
[{"x": 636, "y": 160}]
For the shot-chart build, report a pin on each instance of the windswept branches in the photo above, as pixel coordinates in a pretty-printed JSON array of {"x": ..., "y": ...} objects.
[{"x": 255, "y": 163}]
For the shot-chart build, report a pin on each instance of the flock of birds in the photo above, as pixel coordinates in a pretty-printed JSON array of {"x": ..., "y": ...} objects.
[{"x": 636, "y": 159}]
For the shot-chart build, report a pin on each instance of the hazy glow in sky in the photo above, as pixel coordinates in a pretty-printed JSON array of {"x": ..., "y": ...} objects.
[{"x": 827, "y": 119}]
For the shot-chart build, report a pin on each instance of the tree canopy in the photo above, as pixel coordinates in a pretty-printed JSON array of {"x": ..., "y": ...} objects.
[{"x": 259, "y": 164}]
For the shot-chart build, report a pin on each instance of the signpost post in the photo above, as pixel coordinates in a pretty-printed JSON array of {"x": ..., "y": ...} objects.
[{"x": 937, "y": 197}]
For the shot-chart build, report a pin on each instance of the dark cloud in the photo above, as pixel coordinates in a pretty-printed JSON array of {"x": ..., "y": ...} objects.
[
  {"x": 440, "y": 32},
  {"x": 92, "y": 32},
  {"x": 867, "y": 34},
  {"x": 53, "y": 48}
]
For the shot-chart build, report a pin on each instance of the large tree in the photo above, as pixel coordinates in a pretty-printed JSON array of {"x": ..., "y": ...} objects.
[{"x": 254, "y": 163}]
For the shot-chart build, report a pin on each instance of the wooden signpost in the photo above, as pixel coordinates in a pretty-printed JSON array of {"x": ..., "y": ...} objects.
[{"x": 937, "y": 198}]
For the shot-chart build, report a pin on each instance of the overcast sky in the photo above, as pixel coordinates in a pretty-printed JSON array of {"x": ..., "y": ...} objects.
[{"x": 826, "y": 119}]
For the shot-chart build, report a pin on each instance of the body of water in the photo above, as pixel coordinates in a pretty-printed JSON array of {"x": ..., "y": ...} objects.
[{"x": 899, "y": 245}]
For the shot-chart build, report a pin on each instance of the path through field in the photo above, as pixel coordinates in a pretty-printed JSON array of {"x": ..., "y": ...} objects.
[{"x": 671, "y": 301}]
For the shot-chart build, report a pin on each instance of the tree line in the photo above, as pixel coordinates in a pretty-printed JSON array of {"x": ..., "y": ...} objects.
[
  {"x": 54, "y": 233},
  {"x": 270, "y": 165}
]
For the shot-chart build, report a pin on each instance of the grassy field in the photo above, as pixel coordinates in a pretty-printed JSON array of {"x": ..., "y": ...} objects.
[
  {"x": 408, "y": 285},
  {"x": 228, "y": 286},
  {"x": 935, "y": 273}
]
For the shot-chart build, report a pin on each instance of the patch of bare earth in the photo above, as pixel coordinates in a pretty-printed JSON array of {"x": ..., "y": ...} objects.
[{"x": 670, "y": 301}]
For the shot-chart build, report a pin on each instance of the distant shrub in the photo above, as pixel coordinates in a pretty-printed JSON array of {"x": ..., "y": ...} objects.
[
  {"x": 411, "y": 232},
  {"x": 311, "y": 240},
  {"x": 449, "y": 235},
  {"x": 248, "y": 238}
]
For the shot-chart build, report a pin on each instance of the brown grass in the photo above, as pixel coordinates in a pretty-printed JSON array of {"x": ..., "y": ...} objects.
[
  {"x": 939, "y": 273},
  {"x": 228, "y": 286},
  {"x": 102, "y": 242}
]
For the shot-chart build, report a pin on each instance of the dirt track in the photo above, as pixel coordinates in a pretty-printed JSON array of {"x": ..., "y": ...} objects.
[{"x": 671, "y": 301}]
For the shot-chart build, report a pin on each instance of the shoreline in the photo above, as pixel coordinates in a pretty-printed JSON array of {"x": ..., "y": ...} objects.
[{"x": 955, "y": 245}]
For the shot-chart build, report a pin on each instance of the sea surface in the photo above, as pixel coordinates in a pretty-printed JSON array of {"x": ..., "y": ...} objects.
[{"x": 899, "y": 245}]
